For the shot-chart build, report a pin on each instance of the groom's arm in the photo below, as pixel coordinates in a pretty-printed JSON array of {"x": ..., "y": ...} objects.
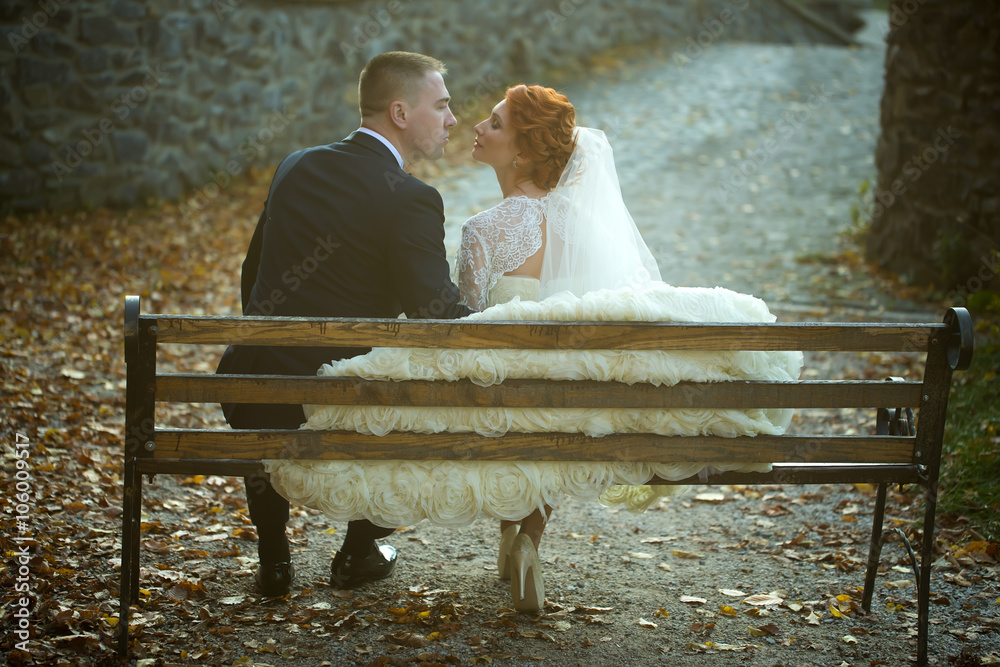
[{"x": 418, "y": 262}]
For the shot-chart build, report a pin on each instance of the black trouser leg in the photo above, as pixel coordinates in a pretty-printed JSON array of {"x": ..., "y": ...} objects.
[
  {"x": 268, "y": 510},
  {"x": 361, "y": 536}
]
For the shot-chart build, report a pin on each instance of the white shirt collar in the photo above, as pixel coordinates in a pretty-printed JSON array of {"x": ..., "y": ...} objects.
[{"x": 399, "y": 158}]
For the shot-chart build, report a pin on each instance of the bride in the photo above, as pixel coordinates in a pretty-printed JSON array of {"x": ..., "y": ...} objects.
[{"x": 560, "y": 245}]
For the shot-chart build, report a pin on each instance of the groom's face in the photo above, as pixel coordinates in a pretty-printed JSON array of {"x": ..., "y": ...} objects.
[{"x": 429, "y": 118}]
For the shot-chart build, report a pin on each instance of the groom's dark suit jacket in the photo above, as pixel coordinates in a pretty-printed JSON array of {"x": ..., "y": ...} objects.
[{"x": 345, "y": 232}]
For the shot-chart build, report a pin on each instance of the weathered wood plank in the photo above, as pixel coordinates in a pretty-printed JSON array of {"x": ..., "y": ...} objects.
[
  {"x": 461, "y": 334},
  {"x": 201, "y": 388},
  {"x": 343, "y": 445},
  {"x": 783, "y": 473}
]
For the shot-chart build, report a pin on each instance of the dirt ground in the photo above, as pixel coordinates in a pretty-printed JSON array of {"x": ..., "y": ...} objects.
[{"x": 675, "y": 585}]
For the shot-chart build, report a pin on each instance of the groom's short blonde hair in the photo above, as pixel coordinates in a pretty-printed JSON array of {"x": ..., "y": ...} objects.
[{"x": 391, "y": 76}]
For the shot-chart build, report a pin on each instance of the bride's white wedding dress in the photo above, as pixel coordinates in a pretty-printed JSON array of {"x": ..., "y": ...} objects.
[{"x": 399, "y": 493}]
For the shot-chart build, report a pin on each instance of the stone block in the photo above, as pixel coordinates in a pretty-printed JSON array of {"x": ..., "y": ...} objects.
[
  {"x": 128, "y": 11},
  {"x": 130, "y": 145},
  {"x": 226, "y": 97},
  {"x": 248, "y": 92},
  {"x": 37, "y": 96},
  {"x": 101, "y": 81},
  {"x": 124, "y": 195},
  {"x": 127, "y": 59},
  {"x": 103, "y": 29},
  {"x": 170, "y": 46},
  {"x": 12, "y": 11},
  {"x": 270, "y": 100},
  {"x": 180, "y": 23},
  {"x": 78, "y": 96},
  {"x": 20, "y": 183},
  {"x": 31, "y": 71},
  {"x": 39, "y": 120},
  {"x": 98, "y": 29},
  {"x": 93, "y": 60},
  {"x": 187, "y": 109},
  {"x": 133, "y": 78},
  {"x": 10, "y": 153},
  {"x": 51, "y": 137},
  {"x": 36, "y": 153},
  {"x": 50, "y": 44},
  {"x": 198, "y": 84}
]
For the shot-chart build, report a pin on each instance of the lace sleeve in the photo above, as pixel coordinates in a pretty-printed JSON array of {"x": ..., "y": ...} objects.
[
  {"x": 472, "y": 262},
  {"x": 497, "y": 241}
]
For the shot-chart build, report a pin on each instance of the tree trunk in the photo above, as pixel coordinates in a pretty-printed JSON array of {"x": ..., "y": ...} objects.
[{"x": 936, "y": 209}]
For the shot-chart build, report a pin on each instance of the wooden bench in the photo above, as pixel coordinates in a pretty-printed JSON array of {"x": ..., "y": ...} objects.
[{"x": 903, "y": 450}]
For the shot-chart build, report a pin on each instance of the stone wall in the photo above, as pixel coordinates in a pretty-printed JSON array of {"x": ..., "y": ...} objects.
[
  {"x": 112, "y": 103},
  {"x": 936, "y": 209}
]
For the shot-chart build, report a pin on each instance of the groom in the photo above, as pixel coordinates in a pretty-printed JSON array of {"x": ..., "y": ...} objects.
[{"x": 346, "y": 232}]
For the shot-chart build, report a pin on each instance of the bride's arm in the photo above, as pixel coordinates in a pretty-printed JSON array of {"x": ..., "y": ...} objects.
[{"x": 473, "y": 268}]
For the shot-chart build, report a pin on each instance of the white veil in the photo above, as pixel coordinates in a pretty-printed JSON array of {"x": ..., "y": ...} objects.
[{"x": 591, "y": 241}]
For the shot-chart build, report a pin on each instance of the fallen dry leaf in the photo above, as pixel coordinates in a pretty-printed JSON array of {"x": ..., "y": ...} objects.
[{"x": 763, "y": 599}]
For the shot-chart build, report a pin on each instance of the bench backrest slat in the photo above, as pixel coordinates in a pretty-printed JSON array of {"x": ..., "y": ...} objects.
[
  {"x": 345, "y": 445},
  {"x": 195, "y": 388},
  {"x": 459, "y": 334}
]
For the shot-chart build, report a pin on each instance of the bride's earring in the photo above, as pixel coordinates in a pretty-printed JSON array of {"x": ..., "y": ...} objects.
[{"x": 516, "y": 165}]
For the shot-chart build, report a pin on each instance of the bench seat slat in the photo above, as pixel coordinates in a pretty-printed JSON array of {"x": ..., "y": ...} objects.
[
  {"x": 458, "y": 334},
  {"x": 199, "y": 388},
  {"x": 346, "y": 445},
  {"x": 782, "y": 473}
]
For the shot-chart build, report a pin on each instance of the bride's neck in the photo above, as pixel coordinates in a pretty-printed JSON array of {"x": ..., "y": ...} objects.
[{"x": 516, "y": 182}]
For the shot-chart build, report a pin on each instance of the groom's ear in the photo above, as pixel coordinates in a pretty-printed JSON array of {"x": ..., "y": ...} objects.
[{"x": 397, "y": 113}]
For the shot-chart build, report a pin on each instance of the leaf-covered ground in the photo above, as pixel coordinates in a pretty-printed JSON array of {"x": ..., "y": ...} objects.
[{"x": 756, "y": 575}]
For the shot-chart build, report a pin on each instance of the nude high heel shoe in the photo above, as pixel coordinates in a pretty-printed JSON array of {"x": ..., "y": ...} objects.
[
  {"x": 527, "y": 591},
  {"x": 503, "y": 557}
]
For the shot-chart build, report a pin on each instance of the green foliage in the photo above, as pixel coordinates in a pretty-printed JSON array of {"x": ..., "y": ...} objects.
[
  {"x": 861, "y": 221},
  {"x": 970, "y": 475}
]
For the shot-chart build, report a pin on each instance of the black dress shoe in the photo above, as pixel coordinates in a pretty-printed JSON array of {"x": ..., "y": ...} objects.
[
  {"x": 274, "y": 579},
  {"x": 348, "y": 571}
]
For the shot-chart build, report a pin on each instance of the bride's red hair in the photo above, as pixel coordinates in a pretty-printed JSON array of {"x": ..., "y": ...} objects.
[{"x": 544, "y": 121}]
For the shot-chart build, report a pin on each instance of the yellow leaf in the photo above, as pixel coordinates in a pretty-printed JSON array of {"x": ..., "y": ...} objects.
[
  {"x": 686, "y": 554},
  {"x": 843, "y": 598},
  {"x": 661, "y": 612},
  {"x": 836, "y": 612},
  {"x": 111, "y": 620},
  {"x": 726, "y": 610}
]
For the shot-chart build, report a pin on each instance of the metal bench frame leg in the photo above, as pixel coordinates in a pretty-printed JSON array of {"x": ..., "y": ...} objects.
[
  {"x": 140, "y": 359},
  {"x": 946, "y": 353}
]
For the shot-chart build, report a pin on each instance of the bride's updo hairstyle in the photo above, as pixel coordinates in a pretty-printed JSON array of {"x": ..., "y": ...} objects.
[{"x": 544, "y": 121}]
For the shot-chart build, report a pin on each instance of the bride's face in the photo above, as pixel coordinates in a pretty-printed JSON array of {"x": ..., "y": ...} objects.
[{"x": 495, "y": 139}]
